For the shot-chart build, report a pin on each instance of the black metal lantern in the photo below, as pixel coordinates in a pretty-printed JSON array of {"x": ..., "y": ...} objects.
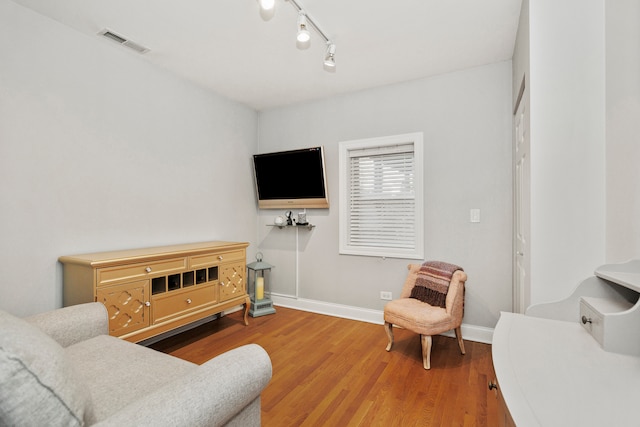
[{"x": 258, "y": 276}]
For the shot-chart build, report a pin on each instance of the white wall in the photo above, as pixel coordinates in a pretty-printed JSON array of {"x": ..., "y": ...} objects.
[
  {"x": 567, "y": 144},
  {"x": 466, "y": 120},
  {"x": 623, "y": 113},
  {"x": 99, "y": 151}
]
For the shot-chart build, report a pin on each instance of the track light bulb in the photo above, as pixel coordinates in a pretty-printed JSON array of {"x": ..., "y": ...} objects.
[
  {"x": 330, "y": 58},
  {"x": 267, "y": 4},
  {"x": 303, "y": 38},
  {"x": 267, "y": 9}
]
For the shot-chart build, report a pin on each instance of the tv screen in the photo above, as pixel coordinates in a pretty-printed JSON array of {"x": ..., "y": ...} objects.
[{"x": 291, "y": 179}]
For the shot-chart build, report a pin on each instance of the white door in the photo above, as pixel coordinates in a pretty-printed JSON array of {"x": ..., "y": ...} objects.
[{"x": 522, "y": 204}]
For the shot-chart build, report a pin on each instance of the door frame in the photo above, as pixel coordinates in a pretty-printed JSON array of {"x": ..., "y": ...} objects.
[{"x": 521, "y": 288}]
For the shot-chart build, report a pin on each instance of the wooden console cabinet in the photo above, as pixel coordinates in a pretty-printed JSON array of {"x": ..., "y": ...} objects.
[{"x": 154, "y": 290}]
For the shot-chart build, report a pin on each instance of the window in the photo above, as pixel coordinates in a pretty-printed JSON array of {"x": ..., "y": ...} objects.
[{"x": 381, "y": 197}]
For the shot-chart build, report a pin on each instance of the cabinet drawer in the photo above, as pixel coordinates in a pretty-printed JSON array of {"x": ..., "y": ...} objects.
[
  {"x": 136, "y": 271},
  {"x": 166, "y": 306},
  {"x": 209, "y": 259},
  {"x": 593, "y": 320}
]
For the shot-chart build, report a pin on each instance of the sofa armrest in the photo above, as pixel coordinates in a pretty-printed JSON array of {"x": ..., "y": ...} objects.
[
  {"x": 73, "y": 324},
  {"x": 210, "y": 395}
]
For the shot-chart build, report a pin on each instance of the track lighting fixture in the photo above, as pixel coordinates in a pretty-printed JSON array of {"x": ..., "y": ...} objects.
[
  {"x": 267, "y": 9},
  {"x": 303, "y": 36},
  {"x": 330, "y": 57}
]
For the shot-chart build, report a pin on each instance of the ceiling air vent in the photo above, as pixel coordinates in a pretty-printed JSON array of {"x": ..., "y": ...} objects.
[{"x": 123, "y": 41}]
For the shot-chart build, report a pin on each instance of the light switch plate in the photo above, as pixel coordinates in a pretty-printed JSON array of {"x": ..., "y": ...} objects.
[{"x": 474, "y": 215}]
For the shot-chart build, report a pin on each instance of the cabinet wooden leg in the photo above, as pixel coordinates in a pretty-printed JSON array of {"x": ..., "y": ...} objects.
[
  {"x": 247, "y": 304},
  {"x": 388, "y": 327}
]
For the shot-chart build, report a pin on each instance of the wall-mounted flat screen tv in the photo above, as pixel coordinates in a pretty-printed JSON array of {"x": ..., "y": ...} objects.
[{"x": 291, "y": 179}]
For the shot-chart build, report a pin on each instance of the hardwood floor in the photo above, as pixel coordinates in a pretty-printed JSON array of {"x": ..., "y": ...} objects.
[{"x": 329, "y": 371}]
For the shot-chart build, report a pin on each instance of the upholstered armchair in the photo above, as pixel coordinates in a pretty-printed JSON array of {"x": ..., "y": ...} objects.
[
  {"x": 61, "y": 368},
  {"x": 423, "y": 318}
]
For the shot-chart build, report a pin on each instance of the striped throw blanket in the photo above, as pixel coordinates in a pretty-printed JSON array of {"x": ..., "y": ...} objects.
[{"x": 432, "y": 282}]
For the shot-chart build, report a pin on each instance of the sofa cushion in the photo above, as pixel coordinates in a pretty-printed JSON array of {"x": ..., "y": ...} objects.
[
  {"x": 119, "y": 373},
  {"x": 39, "y": 385}
]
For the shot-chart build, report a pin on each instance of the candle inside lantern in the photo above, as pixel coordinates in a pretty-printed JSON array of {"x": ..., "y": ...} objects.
[{"x": 259, "y": 287}]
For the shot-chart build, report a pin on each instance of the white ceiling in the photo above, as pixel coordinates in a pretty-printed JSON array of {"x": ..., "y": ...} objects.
[{"x": 225, "y": 46}]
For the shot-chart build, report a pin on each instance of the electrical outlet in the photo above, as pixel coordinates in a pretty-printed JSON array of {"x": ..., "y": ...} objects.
[{"x": 385, "y": 295}]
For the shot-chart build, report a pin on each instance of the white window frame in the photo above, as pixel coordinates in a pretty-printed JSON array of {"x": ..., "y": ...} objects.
[{"x": 346, "y": 150}]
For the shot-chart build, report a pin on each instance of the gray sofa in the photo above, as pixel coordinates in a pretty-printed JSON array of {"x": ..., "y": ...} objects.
[{"x": 62, "y": 369}]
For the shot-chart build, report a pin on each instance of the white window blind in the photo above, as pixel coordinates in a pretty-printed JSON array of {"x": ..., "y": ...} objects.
[
  {"x": 382, "y": 215},
  {"x": 382, "y": 197}
]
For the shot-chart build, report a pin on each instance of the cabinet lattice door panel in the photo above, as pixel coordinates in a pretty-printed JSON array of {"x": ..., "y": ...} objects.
[
  {"x": 127, "y": 305},
  {"x": 232, "y": 282}
]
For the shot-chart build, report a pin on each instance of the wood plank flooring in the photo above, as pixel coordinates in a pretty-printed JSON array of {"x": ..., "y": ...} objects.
[{"x": 329, "y": 371}]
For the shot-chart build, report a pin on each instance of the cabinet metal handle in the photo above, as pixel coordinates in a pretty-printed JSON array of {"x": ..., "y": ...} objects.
[
  {"x": 148, "y": 269},
  {"x": 220, "y": 257},
  {"x": 586, "y": 320},
  {"x": 188, "y": 300},
  {"x": 493, "y": 386},
  {"x": 147, "y": 303},
  {"x": 221, "y": 283}
]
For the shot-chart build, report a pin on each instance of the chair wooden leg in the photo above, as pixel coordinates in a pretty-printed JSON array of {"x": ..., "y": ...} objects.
[
  {"x": 460, "y": 342},
  {"x": 426, "y": 351},
  {"x": 388, "y": 328}
]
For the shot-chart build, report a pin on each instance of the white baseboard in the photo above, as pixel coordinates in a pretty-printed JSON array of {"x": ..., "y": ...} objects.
[
  {"x": 473, "y": 333},
  {"x": 331, "y": 309},
  {"x": 469, "y": 332}
]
